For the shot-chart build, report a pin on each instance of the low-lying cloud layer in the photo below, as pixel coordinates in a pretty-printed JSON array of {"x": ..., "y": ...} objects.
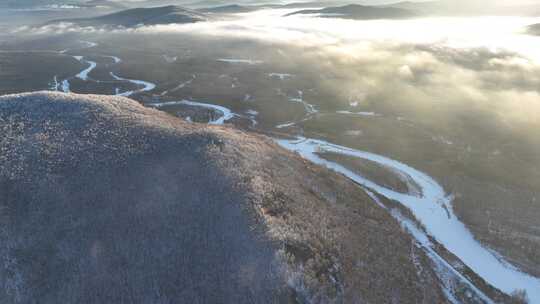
[
  {"x": 434, "y": 68},
  {"x": 486, "y": 63}
]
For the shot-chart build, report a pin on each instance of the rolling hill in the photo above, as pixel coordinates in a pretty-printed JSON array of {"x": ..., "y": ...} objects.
[
  {"x": 105, "y": 200},
  {"x": 468, "y": 8},
  {"x": 230, "y": 9},
  {"x": 359, "y": 12},
  {"x": 140, "y": 16},
  {"x": 103, "y": 4}
]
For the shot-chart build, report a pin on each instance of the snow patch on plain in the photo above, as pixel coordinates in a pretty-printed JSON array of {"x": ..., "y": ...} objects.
[
  {"x": 281, "y": 76},
  {"x": 245, "y": 61},
  {"x": 358, "y": 113}
]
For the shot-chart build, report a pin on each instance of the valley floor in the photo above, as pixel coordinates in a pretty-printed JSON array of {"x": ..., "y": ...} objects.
[{"x": 467, "y": 194}]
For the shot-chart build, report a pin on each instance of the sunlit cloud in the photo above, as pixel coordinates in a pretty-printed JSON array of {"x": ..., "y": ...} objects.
[
  {"x": 493, "y": 33},
  {"x": 430, "y": 67}
]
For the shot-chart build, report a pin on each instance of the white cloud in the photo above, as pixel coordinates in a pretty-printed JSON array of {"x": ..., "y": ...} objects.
[
  {"x": 405, "y": 72},
  {"x": 482, "y": 63}
]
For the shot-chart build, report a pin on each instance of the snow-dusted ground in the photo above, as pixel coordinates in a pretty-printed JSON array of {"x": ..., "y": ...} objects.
[{"x": 433, "y": 209}]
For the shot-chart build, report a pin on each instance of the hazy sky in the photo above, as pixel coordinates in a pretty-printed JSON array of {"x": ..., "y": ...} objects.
[
  {"x": 392, "y": 1},
  {"x": 374, "y": 2}
]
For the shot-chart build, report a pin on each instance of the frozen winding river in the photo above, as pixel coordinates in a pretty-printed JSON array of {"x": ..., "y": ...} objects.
[
  {"x": 432, "y": 208},
  {"x": 65, "y": 85}
]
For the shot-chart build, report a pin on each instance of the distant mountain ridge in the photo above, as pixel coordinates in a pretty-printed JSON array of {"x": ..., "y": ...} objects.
[
  {"x": 141, "y": 16},
  {"x": 359, "y": 12},
  {"x": 227, "y": 9},
  {"x": 25, "y": 3},
  {"x": 424, "y": 8},
  {"x": 243, "y": 7},
  {"x": 467, "y": 8},
  {"x": 103, "y": 4}
]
